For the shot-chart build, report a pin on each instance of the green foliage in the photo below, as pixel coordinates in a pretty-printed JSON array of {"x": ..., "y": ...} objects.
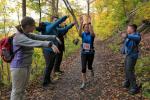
[
  {"x": 114, "y": 47},
  {"x": 114, "y": 14},
  {"x": 142, "y": 13},
  {"x": 143, "y": 73}
]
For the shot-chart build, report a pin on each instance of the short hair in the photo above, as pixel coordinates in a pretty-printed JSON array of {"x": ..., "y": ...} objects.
[
  {"x": 133, "y": 26},
  {"x": 25, "y": 22}
]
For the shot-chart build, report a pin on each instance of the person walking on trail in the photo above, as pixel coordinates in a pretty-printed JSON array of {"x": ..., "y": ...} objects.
[
  {"x": 130, "y": 49},
  {"x": 58, "y": 58},
  {"x": 23, "y": 44},
  {"x": 87, "y": 52},
  {"x": 48, "y": 28}
]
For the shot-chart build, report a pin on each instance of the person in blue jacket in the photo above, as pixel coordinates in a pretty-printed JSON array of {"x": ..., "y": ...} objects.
[
  {"x": 130, "y": 49},
  {"x": 61, "y": 47},
  {"x": 52, "y": 28},
  {"x": 87, "y": 52}
]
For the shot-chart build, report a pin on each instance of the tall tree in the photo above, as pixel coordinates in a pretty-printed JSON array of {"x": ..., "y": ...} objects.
[
  {"x": 88, "y": 6},
  {"x": 23, "y": 8},
  {"x": 71, "y": 12},
  {"x": 40, "y": 11},
  {"x": 54, "y": 7}
]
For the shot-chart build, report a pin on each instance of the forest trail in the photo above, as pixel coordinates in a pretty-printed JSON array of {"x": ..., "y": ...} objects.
[{"x": 105, "y": 86}]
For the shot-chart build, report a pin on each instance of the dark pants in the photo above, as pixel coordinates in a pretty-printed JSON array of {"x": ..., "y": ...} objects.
[
  {"x": 87, "y": 59},
  {"x": 130, "y": 72},
  {"x": 49, "y": 59},
  {"x": 58, "y": 60}
]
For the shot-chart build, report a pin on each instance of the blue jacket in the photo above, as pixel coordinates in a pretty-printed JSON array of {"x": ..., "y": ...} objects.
[
  {"x": 62, "y": 32},
  {"x": 88, "y": 38},
  {"x": 131, "y": 43},
  {"x": 55, "y": 29}
]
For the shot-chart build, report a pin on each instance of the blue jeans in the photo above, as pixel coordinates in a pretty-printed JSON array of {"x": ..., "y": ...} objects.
[{"x": 130, "y": 72}]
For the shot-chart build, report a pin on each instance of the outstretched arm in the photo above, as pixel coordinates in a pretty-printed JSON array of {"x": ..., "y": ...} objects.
[
  {"x": 23, "y": 40},
  {"x": 50, "y": 26},
  {"x": 64, "y": 30},
  {"x": 41, "y": 37}
]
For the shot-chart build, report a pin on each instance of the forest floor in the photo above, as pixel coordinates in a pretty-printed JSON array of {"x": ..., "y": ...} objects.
[{"x": 107, "y": 83}]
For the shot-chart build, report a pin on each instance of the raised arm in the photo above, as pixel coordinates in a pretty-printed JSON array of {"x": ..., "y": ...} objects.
[
  {"x": 91, "y": 30},
  {"x": 81, "y": 26},
  {"x": 91, "y": 27},
  {"x": 134, "y": 37}
]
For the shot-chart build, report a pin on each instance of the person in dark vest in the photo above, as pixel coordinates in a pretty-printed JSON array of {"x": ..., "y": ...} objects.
[
  {"x": 87, "y": 52},
  {"x": 52, "y": 28},
  {"x": 130, "y": 49},
  {"x": 58, "y": 58}
]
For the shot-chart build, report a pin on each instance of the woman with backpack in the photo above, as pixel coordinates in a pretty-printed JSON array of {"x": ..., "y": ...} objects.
[
  {"x": 87, "y": 52},
  {"x": 23, "y": 44}
]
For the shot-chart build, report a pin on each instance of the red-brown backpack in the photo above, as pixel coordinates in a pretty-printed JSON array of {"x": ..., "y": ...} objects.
[{"x": 6, "y": 49}]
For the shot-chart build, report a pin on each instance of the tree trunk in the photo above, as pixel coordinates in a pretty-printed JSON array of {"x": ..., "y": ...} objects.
[
  {"x": 71, "y": 12},
  {"x": 8, "y": 71},
  {"x": 88, "y": 9},
  {"x": 2, "y": 69},
  {"x": 54, "y": 7},
  {"x": 23, "y": 8},
  {"x": 40, "y": 11},
  {"x": 0, "y": 75}
]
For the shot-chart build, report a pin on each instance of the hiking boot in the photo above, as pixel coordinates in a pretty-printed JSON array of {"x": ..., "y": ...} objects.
[{"x": 83, "y": 86}]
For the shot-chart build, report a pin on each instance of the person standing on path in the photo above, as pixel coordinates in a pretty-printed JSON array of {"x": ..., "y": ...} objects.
[
  {"x": 23, "y": 44},
  {"x": 87, "y": 52},
  {"x": 130, "y": 49},
  {"x": 58, "y": 58},
  {"x": 52, "y": 28}
]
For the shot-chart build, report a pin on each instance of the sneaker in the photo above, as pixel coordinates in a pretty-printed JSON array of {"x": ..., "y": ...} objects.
[
  {"x": 92, "y": 73},
  {"x": 126, "y": 85},
  {"x": 56, "y": 76},
  {"x": 58, "y": 73},
  {"x": 83, "y": 86},
  {"x": 46, "y": 84},
  {"x": 61, "y": 72},
  {"x": 134, "y": 91}
]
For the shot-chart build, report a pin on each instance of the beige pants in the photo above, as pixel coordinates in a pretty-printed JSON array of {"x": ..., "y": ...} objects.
[{"x": 20, "y": 78}]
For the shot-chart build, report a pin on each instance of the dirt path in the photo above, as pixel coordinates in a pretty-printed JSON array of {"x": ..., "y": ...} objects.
[{"x": 105, "y": 86}]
